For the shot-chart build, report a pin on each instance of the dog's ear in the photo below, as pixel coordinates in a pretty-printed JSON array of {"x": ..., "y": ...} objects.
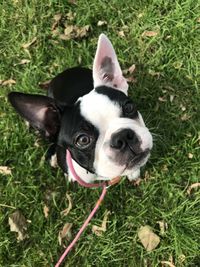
[
  {"x": 106, "y": 68},
  {"x": 39, "y": 110}
]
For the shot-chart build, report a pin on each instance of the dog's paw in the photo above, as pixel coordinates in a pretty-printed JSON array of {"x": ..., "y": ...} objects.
[
  {"x": 134, "y": 175},
  {"x": 69, "y": 177},
  {"x": 53, "y": 161}
]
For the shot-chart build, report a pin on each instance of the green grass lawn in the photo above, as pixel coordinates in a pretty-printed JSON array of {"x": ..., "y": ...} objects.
[{"x": 167, "y": 94}]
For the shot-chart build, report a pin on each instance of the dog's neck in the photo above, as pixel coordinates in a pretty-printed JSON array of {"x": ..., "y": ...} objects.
[{"x": 85, "y": 175}]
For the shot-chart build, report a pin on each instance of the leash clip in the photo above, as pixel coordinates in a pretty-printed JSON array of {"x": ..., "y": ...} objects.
[{"x": 114, "y": 181}]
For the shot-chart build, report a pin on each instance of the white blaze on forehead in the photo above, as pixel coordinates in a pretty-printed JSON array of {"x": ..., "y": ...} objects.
[{"x": 99, "y": 110}]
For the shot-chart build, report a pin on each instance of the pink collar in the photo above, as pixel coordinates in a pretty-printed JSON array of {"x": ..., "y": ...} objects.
[{"x": 83, "y": 183}]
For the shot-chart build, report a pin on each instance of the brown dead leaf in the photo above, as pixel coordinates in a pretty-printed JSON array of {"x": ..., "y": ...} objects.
[
  {"x": 137, "y": 182},
  {"x": 27, "y": 45},
  {"x": 128, "y": 74},
  {"x": 185, "y": 117},
  {"x": 183, "y": 108},
  {"x": 7, "y": 82},
  {"x": 27, "y": 52},
  {"x": 167, "y": 263},
  {"x": 98, "y": 230},
  {"x": 101, "y": 23},
  {"x": 23, "y": 62},
  {"x": 163, "y": 227},
  {"x": 55, "y": 32},
  {"x": 131, "y": 79},
  {"x": 68, "y": 30},
  {"x": 149, "y": 33},
  {"x": 64, "y": 37},
  {"x": 198, "y": 20},
  {"x": 140, "y": 15},
  {"x": 121, "y": 33},
  {"x": 165, "y": 168},
  {"x": 181, "y": 258},
  {"x": 130, "y": 70},
  {"x": 18, "y": 224},
  {"x": 49, "y": 196},
  {"x": 45, "y": 84},
  {"x": 168, "y": 37},
  {"x": 5, "y": 170},
  {"x": 82, "y": 31},
  {"x": 57, "y": 19},
  {"x": 148, "y": 238},
  {"x": 162, "y": 99},
  {"x": 73, "y": 32},
  {"x": 70, "y": 15},
  {"x": 171, "y": 98},
  {"x": 177, "y": 65},
  {"x": 190, "y": 155},
  {"x": 46, "y": 211},
  {"x": 146, "y": 176},
  {"x": 65, "y": 233},
  {"x": 192, "y": 186},
  {"x": 66, "y": 211}
]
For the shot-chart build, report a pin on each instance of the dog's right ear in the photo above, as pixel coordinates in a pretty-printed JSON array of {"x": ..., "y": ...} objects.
[{"x": 39, "y": 110}]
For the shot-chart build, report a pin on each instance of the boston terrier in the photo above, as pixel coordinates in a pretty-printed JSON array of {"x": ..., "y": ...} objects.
[{"x": 88, "y": 113}]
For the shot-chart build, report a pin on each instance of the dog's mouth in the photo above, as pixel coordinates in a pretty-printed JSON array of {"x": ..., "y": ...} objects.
[{"x": 138, "y": 159}]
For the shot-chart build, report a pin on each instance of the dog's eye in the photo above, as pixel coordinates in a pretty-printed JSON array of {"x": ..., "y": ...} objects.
[
  {"x": 129, "y": 108},
  {"x": 82, "y": 140}
]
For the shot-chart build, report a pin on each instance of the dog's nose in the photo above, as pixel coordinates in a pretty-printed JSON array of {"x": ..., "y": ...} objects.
[{"x": 124, "y": 138}]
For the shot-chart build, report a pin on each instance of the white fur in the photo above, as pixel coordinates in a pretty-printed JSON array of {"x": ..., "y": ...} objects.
[
  {"x": 104, "y": 114},
  {"x": 99, "y": 110},
  {"x": 88, "y": 177},
  {"x": 82, "y": 173},
  {"x": 53, "y": 161}
]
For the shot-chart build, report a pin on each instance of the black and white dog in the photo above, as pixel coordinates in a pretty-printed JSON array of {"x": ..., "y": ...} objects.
[{"x": 89, "y": 113}]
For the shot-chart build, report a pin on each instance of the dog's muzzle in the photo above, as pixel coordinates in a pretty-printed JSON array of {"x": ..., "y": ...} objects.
[
  {"x": 127, "y": 148},
  {"x": 124, "y": 139}
]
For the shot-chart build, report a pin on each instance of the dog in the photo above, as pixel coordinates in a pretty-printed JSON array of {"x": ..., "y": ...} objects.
[{"x": 88, "y": 113}]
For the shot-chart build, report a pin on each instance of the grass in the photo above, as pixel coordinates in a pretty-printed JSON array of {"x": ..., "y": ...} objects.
[{"x": 167, "y": 94}]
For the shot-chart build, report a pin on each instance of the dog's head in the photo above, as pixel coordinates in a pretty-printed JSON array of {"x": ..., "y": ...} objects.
[{"x": 102, "y": 129}]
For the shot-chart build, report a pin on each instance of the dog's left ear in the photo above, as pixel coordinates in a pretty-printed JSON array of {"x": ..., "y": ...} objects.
[
  {"x": 106, "y": 68},
  {"x": 40, "y": 111}
]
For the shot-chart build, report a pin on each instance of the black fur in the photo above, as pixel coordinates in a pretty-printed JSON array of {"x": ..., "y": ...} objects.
[
  {"x": 69, "y": 85},
  {"x": 121, "y": 99},
  {"x": 48, "y": 113}
]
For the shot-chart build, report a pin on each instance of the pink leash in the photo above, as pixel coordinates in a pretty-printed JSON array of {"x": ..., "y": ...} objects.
[
  {"x": 78, "y": 179},
  {"x": 104, "y": 186}
]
